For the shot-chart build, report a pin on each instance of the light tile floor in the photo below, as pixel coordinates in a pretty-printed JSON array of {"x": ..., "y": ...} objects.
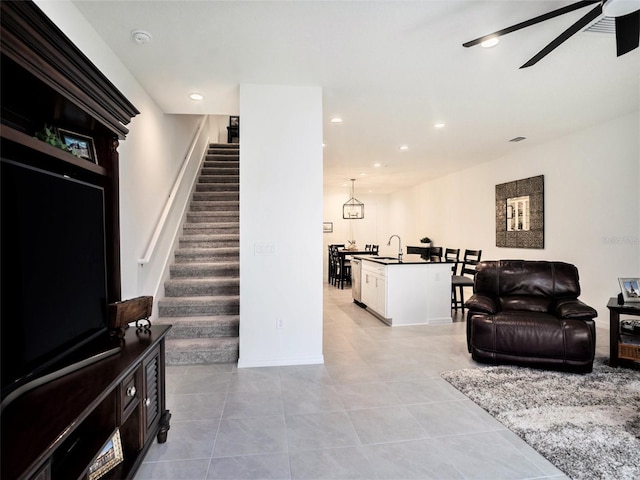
[{"x": 377, "y": 409}]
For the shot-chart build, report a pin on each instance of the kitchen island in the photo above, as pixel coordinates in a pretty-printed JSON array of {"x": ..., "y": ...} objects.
[{"x": 413, "y": 291}]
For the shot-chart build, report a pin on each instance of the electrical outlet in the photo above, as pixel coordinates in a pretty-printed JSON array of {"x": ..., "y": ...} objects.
[{"x": 279, "y": 322}]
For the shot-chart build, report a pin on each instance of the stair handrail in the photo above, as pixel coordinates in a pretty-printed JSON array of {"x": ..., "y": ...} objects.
[{"x": 153, "y": 243}]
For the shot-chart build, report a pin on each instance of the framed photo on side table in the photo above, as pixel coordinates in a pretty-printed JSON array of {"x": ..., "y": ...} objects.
[
  {"x": 110, "y": 456},
  {"x": 630, "y": 289},
  {"x": 80, "y": 145}
]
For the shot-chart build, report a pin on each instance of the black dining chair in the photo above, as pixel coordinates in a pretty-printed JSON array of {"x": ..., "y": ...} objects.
[
  {"x": 435, "y": 254},
  {"x": 458, "y": 282},
  {"x": 452, "y": 255},
  {"x": 331, "y": 265},
  {"x": 341, "y": 271}
]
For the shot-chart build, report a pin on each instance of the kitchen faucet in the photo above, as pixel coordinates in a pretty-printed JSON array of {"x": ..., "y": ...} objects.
[{"x": 399, "y": 246}]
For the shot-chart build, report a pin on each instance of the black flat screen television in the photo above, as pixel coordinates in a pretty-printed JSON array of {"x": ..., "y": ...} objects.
[{"x": 53, "y": 296}]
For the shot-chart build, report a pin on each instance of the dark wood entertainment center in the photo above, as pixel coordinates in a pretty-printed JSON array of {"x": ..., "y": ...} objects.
[{"x": 57, "y": 430}]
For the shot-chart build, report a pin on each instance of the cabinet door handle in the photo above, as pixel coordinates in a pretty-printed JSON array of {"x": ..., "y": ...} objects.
[
  {"x": 147, "y": 402},
  {"x": 131, "y": 391}
]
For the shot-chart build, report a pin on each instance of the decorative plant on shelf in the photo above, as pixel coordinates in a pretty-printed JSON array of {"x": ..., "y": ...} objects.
[
  {"x": 50, "y": 136},
  {"x": 425, "y": 240}
]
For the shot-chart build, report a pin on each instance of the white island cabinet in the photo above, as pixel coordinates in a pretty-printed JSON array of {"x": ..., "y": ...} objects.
[{"x": 413, "y": 292}]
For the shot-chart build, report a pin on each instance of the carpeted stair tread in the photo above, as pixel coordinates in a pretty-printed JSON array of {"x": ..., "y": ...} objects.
[
  {"x": 199, "y": 270},
  {"x": 190, "y": 256},
  {"x": 224, "y": 216},
  {"x": 222, "y": 154},
  {"x": 220, "y": 168},
  {"x": 213, "y": 168},
  {"x": 202, "y": 242},
  {"x": 213, "y": 217},
  {"x": 192, "y": 287},
  {"x": 201, "y": 229},
  {"x": 206, "y": 326},
  {"x": 201, "y": 351},
  {"x": 198, "y": 306},
  {"x": 202, "y": 300},
  {"x": 224, "y": 146},
  {"x": 212, "y": 206},
  {"x": 224, "y": 162},
  {"x": 200, "y": 320},
  {"x": 217, "y": 187},
  {"x": 204, "y": 255},
  {"x": 211, "y": 231},
  {"x": 219, "y": 179},
  {"x": 206, "y": 241},
  {"x": 214, "y": 196},
  {"x": 222, "y": 158}
]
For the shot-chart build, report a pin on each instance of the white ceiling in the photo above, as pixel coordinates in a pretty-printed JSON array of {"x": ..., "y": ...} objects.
[{"x": 390, "y": 69}]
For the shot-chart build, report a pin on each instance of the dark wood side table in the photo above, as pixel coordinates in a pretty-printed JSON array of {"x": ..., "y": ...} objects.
[{"x": 614, "y": 326}]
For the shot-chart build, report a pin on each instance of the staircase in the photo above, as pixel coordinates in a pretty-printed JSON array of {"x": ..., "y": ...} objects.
[{"x": 202, "y": 295}]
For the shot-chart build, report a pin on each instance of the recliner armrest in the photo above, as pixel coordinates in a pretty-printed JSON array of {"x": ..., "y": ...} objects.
[
  {"x": 482, "y": 303},
  {"x": 574, "y": 308}
]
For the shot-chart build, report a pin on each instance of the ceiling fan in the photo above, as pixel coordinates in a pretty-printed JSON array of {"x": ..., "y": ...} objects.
[{"x": 625, "y": 12}]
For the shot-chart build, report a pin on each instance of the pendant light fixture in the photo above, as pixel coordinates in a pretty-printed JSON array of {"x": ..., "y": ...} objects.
[{"x": 353, "y": 209}]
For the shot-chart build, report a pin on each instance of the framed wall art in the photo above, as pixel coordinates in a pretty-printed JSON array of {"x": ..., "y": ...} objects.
[{"x": 520, "y": 213}]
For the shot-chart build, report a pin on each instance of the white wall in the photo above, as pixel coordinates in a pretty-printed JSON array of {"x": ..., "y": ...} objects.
[
  {"x": 153, "y": 266},
  {"x": 280, "y": 225},
  {"x": 592, "y": 206},
  {"x": 150, "y": 157}
]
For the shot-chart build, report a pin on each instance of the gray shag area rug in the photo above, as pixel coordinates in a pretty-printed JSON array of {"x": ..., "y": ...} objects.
[{"x": 587, "y": 425}]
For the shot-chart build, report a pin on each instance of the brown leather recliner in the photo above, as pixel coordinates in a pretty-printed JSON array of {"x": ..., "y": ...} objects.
[{"x": 528, "y": 313}]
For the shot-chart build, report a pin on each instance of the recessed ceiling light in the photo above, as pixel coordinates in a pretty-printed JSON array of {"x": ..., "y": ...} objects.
[
  {"x": 439, "y": 125},
  {"x": 403, "y": 147},
  {"x": 196, "y": 96},
  {"x": 336, "y": 120},
  {"x": 141, "y": 37},
  {"x": 490, "y": 42},
  {"x": 377, "y": 165}
]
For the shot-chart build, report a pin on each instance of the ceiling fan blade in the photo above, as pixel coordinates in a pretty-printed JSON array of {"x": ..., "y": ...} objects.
[
  {"x": 532, "y": 21},
  {"x": 627, "y": 32},
  {"x": 564, "y": 36}
]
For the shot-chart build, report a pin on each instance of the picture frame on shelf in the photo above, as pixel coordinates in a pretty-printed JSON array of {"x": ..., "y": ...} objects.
[
  {"x": 80, "y": 145},
  {"x": 110, "y": 456},
  {"x": 630, "y": 288},
  {"x": 234, "y": 121},
  {"x": 327, "y": 227}
]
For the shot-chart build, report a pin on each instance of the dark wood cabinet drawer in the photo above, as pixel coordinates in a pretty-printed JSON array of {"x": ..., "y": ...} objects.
[{"x": 130, "y": 394}]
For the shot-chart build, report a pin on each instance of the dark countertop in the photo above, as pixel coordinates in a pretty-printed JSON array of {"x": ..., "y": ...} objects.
[{"x": 407, "y": 259}]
